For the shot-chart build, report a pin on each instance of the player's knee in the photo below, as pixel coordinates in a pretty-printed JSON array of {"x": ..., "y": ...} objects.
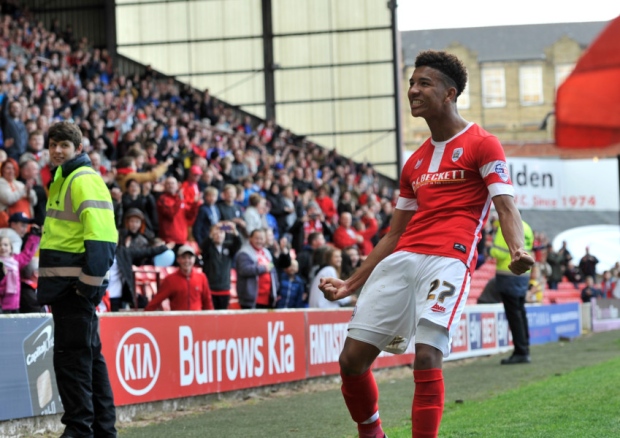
[
  {"x": 427, "y": 357},
  {"x": 348, "y": 366},
  {"x": 352, "y": 365}
]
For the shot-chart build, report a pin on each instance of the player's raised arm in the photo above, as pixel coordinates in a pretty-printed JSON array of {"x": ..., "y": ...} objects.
[{"x": 512, "y": 230}]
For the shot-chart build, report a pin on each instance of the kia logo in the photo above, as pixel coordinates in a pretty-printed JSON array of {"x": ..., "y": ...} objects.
[{"x": 138, "y": 361}]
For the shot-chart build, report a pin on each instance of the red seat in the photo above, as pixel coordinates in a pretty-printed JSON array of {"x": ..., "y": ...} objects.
[
  {"x": 562, "y": 300},
  {"x": 563, "y": 293},
  {"x": 164, "y": 271},
  {"x": 150, "y": 290},
  {"x": 146, "y": 280},
  {"x": 567, "y": 285}
]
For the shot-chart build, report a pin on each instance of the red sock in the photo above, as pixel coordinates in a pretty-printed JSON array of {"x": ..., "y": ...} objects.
[
  {"x": 428, "y": 402},
  {"x": 361, "y": 396}
]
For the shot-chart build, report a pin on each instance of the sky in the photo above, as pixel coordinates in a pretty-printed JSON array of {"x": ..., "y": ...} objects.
[{"x": 446, "y": 14}]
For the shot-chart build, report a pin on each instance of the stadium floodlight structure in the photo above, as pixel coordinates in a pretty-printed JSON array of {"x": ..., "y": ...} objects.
[{"x": 328, "y": 70}]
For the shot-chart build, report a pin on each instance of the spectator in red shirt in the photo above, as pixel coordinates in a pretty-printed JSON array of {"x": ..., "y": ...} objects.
[
  {"x": 187, "y": 288},
  {"x": 367, "y": 227},
  {"x": 312, "y": 221},
  {"x": 368, "y": 196},
  {"x": 190, "y": 187},
  {"x": 326, "y": 203},
  {"x": 359, "y": 235},
  {"x": 175, "y": 214},
  {"x": 345, "y": 235}
]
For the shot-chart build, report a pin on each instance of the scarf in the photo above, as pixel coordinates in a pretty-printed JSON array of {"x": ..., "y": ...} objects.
[{"x": 12, "y": 274}]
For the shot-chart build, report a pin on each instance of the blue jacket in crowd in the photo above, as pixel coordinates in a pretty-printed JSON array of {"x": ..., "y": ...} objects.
[{"x": 290, "y": 294}]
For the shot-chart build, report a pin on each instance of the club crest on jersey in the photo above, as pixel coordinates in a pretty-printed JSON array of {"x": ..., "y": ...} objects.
[
  {"x": 456, "y": 154},
  {"x": 502, "y": 170},
  {"x": 418, "y": 164}
]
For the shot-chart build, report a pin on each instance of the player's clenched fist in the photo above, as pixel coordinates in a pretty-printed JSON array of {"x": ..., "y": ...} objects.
[
  {"x": 521, "y": 262},
  {"x": 333, "y": 288}
]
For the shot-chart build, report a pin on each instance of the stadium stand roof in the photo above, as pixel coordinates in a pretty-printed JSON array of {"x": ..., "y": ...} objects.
[{"x": 499, "y": 43}]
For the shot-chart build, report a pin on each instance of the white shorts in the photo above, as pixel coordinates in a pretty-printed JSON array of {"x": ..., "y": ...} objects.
[{"x": 404, "y": 288}]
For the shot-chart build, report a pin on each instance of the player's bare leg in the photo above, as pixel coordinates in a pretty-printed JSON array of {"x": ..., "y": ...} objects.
[
  {"x": 359, "y": 387},
  {"x": 428, "y": 398}
]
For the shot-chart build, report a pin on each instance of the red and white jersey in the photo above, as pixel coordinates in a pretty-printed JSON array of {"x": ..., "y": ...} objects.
[{"x": 451, "y": 184}]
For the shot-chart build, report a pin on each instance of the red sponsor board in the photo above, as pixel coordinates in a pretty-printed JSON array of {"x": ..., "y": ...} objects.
[
  {"x": 326, "y": 333},
  {"x": 489, "y": 331},
  {"x": 158, "y": 357},
  {"x": 460, "y": 341}
]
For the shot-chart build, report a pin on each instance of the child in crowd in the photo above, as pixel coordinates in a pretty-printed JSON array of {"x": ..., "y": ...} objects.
[
  {"x": 10, "y": 286},
  {"x": 36, "y": 146},
  {"x": 292, "y": 288}
]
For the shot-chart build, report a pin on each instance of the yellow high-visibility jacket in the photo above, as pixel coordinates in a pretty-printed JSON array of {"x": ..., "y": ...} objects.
[
  {"x": 79, "y": 234},
  {"x": 499, "y": 250}
]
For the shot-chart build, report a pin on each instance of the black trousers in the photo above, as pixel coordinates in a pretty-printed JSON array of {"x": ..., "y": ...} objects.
[
  {"x": 513, "y": 289},
  {"x": 28, "y": 300},
  {"x": 81, "y": 372},
  {"x": 116, "y": 304},
  {"x": 220, "y": 302}
]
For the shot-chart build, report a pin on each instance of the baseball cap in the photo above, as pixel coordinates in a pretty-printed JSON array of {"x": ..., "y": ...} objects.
[
  {"x": 20, "y": 217},
  {"x": 185, "y": 249},
  {"x": 196, "y": 170}
]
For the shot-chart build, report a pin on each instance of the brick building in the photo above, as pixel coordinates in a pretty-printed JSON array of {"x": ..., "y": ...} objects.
[{"x": 514, "y": 72}]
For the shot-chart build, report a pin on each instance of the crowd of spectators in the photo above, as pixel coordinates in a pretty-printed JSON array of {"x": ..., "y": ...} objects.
[
  {"x": 182, "y": 168},
  {"x": 554, "y": 266},
  {"x": 185, "y": 169}
]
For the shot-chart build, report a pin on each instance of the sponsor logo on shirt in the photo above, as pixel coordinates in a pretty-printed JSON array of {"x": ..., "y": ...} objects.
[
  {"x": 449, "y": 177},
  {"x": 437, "y": 308},
  {"x": 419, "y": 163},
  {"x": 502, "y": 170}
]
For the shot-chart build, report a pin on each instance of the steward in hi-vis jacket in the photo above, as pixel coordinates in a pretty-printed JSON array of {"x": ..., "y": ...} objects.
[
  {"x": 79, "y": 237},
  {"x": 77, "y": 250},
  {"x": 513, "y": 290}
]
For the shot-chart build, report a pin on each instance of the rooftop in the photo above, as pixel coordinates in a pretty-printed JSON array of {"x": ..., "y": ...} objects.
[{"x": 499, "y": 43}]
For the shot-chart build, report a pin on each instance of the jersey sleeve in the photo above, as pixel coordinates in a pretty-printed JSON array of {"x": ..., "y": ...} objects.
[
  {"x": 493, "y": 168},
  {"x": 407, "y": 199}
]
